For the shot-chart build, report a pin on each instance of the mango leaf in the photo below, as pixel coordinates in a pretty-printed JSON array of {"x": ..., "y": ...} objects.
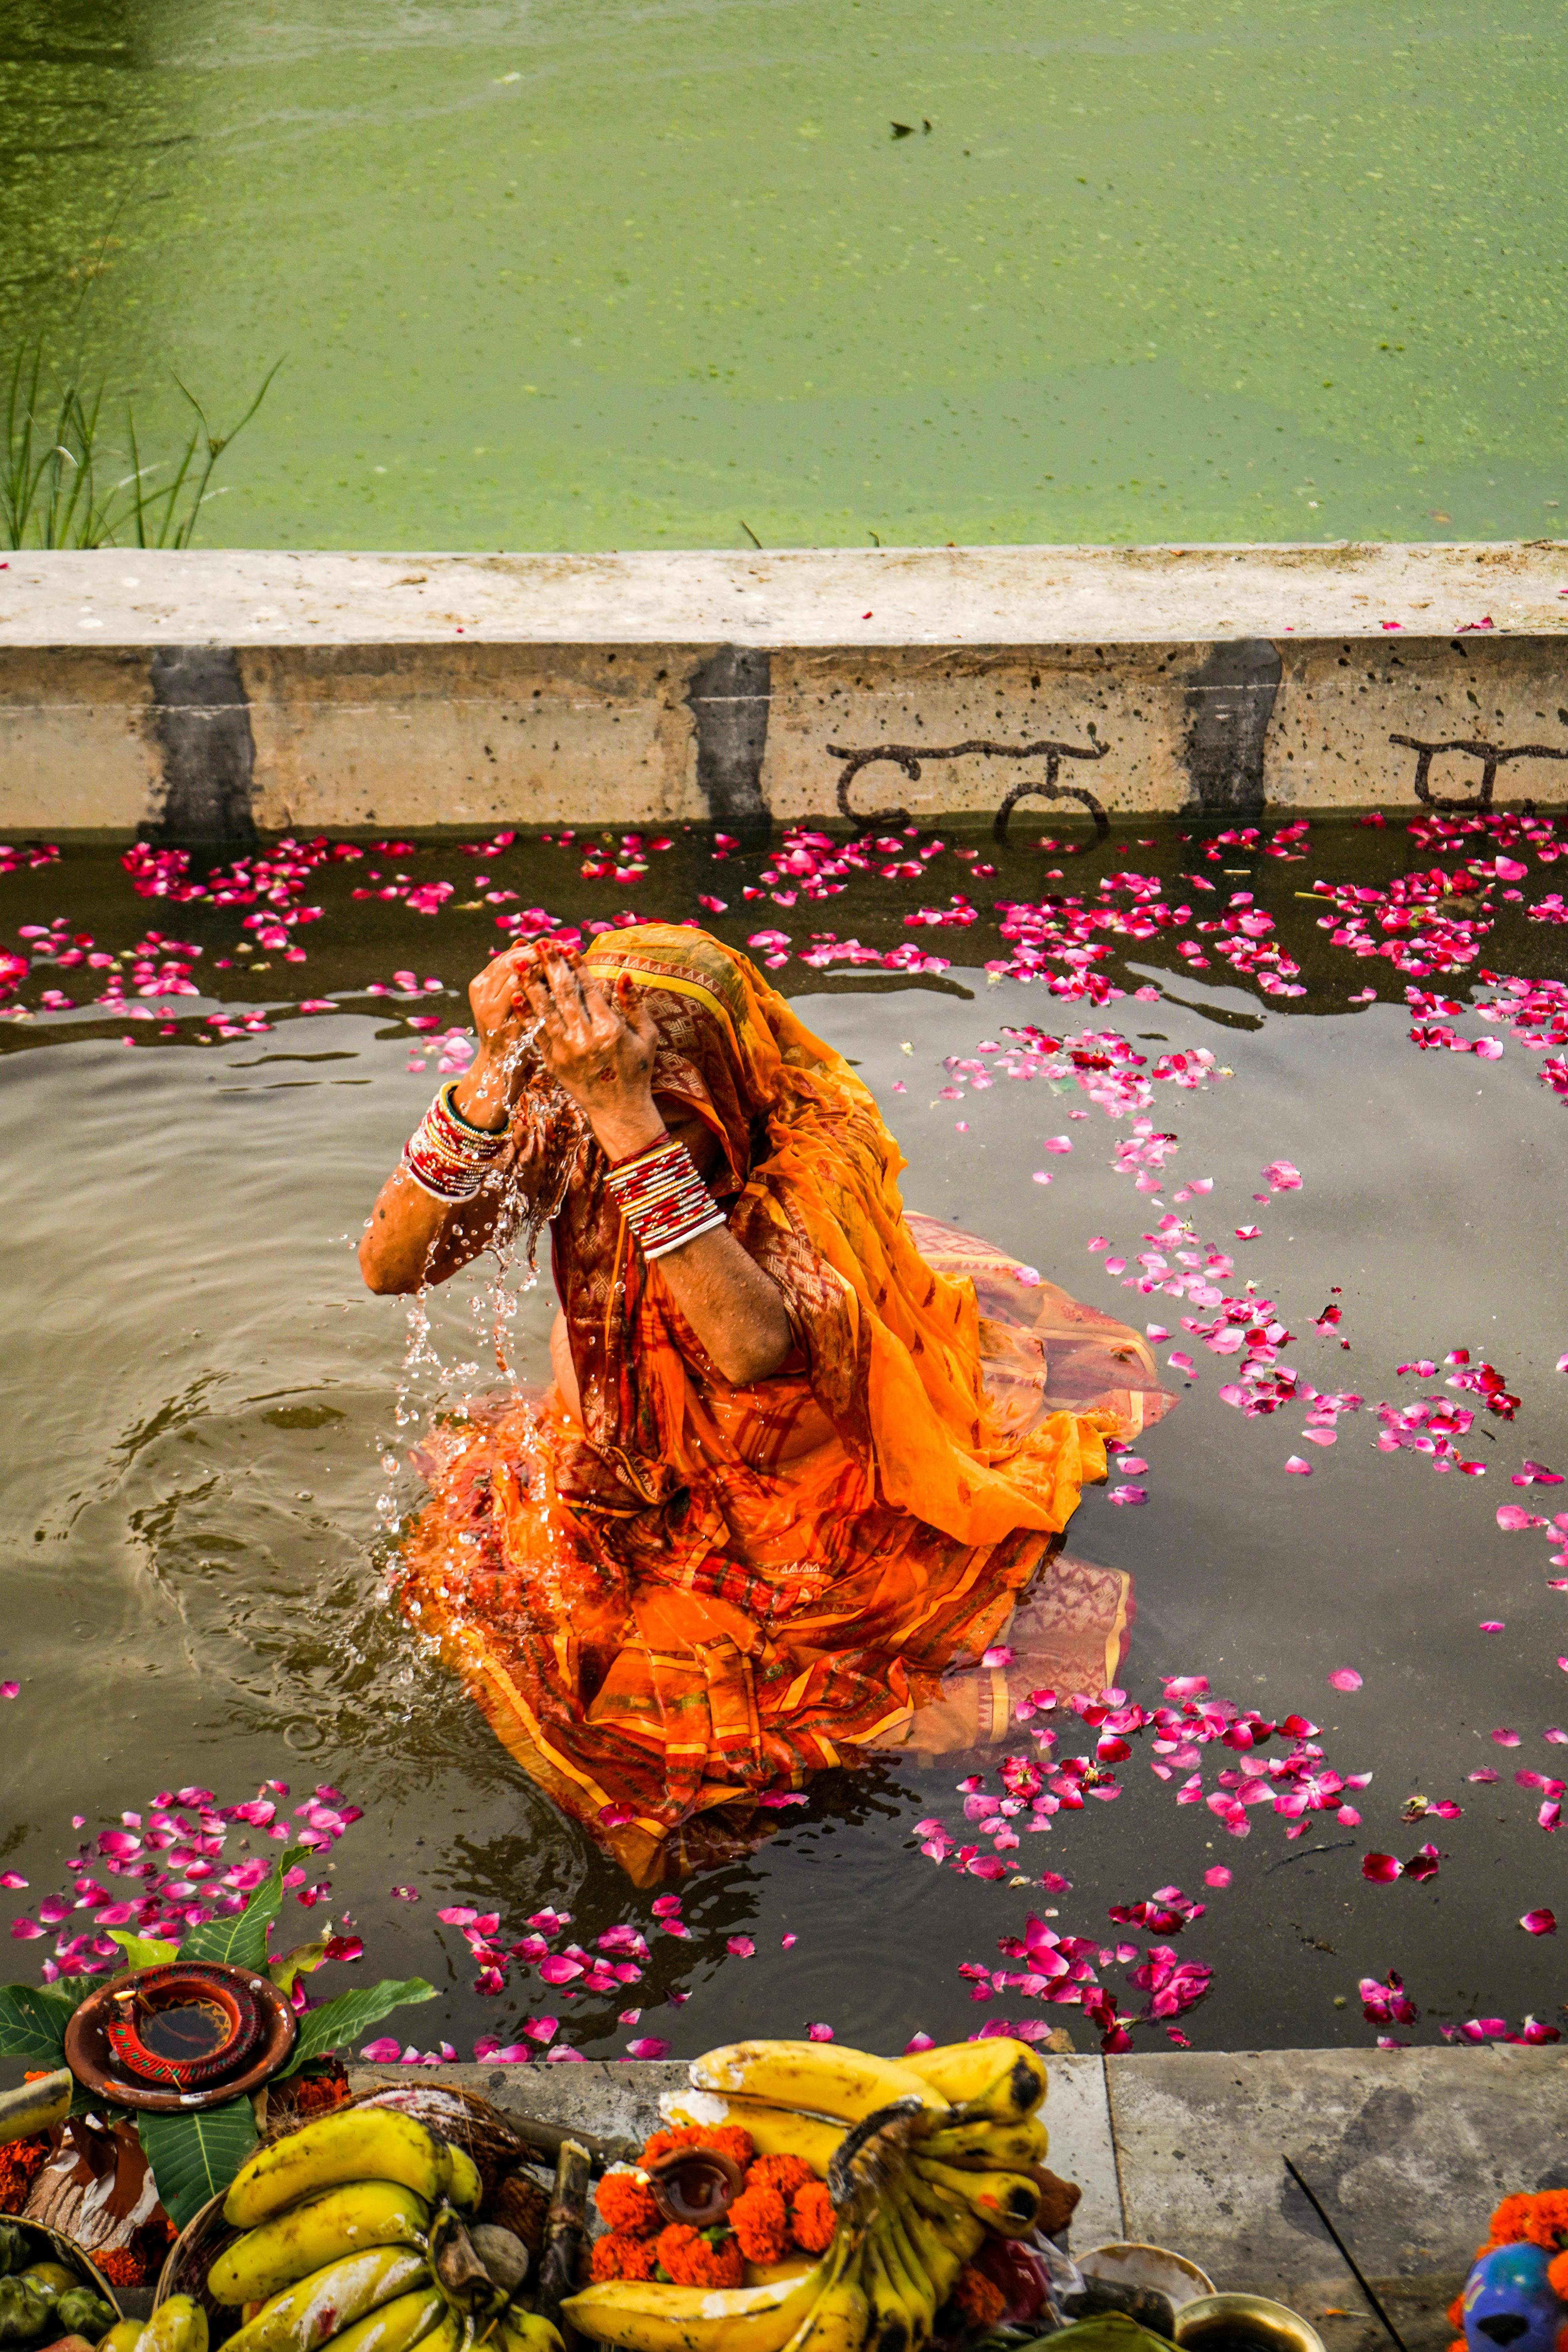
[
  {"x": 33, "y": 2021},
  {"x": 142, "y": 1951},
  {"x": 193, "y": 2157},
  {"x": 302, "y": 1961},
  {"x": 241, "y": 1939},
  {"x": 342, "y": 2021}
]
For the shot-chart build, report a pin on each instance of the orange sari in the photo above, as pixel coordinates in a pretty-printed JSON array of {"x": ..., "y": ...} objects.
[{"x": 698, "y": 1593}]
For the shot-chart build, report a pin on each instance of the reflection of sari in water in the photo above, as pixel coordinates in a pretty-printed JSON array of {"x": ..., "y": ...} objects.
[{"x": 700, "y": 1592}]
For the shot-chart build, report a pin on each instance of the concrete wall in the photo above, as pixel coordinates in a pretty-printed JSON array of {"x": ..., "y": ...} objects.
[
  {"x": 1408, "y": 2151},
  {"x": 203, "y": 696}
]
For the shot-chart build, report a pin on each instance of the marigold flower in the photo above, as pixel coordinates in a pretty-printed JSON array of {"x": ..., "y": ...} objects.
[
  {"x": 812, "y": 2218},
  {"x": 122, "y": 2266},
  {"x": 1455, "y": 2313},
  {"x": 1556, "y": 2279},
  {"x": 727, "y": 2139},
  {"x": 980, "y": 2299},
  {"x": 690, "y": 2260},
  {"x": 661, "y": 2142},
  {"x": 784, "y": 2173},
  {"x": 1509, "y": 2223},
  {"x": 625, "y": 2201},
  {"x": 19, "y": 2165},
  {"x": 618, "y": 2255},
  {"x": 761, "y": 2225},
  {"x": 1548, "y": 2220}
]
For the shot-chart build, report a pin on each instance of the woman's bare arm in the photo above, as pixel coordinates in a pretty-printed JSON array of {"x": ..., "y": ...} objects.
[
  {"x": 602, "y": 1053},
  {"x": 412, "y": 1238}
]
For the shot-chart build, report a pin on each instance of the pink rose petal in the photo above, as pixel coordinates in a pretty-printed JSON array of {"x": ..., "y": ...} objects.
[
  {"x": 1218, "y": 1875},
  {"x": 1344, "y": 1678},
  {"x": 1298, "y": 1468},
  {"x": 647, "y": 2045},
  {"x": 1539, "y": 1923},
  {"x": 819, "y": 2032}
]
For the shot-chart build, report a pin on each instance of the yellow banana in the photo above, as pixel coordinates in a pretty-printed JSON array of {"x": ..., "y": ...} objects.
[
  {"x": 526, "y": 2331},
  {"x": 775, "y": 2131},
  {"x": 645, "y": 2316},
  {"x": 1004, "y": 2079},
  {"x": 956, "y": 2222},
  {"x": 940, "y": 2261},
  {"x": 1006, "y": 2147},
  {"x": 177, "y": 2326},
  {"x": 354, "y": 2144},
  {"x": 398, "y": 2325},
  {"x": 347, "y": 2221},
  {"x": 319, "y": 2305},
  {"x": 1006, "y": 2201},
  {"x": 891, "y": 2324},
  {"x": 816, "y": 2075},
  {"x": 124, "y": 2336},
  {"x": 453, "y": 2334},
  {"x": 837, "y": 2320},
  {"x": 903, "y": 2259}
]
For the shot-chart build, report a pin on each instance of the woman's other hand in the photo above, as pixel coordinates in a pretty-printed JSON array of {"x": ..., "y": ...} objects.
[
  {"x": 599, "y": 1045},
  {"x": 495, "y": 1079}
]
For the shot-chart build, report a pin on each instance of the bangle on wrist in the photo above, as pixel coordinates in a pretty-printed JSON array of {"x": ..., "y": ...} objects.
[
  {"x": 663, "y": 1199},
  {"x": 445, "y": 1155}
]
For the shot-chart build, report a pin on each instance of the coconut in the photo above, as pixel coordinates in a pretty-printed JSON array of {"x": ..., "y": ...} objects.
[{"x": 469, "y": 2122}]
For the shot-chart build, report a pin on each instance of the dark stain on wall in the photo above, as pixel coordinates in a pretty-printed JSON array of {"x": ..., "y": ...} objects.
[
  {"x": 729, "y": 698},
  {"x": 1230, "y": 702},
  {"x": 201, "y": 718}
]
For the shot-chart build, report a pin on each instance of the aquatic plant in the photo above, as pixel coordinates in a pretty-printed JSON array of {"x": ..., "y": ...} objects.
[{"x": 54, "y": 455}]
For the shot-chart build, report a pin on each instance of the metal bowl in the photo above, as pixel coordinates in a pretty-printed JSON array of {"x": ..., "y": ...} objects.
[
  {"x": 1228, "y": 2321},
  {"x": 1124, "y": 2264}
]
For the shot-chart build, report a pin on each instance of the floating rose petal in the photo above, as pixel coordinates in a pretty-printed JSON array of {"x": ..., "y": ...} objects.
[
  {"x": 1512, "y": 1517},
  {"x": 647, "y": 2045},
  {"x": 999, "y": 1654},
  {"x": 1491, "y": 1625},
  {"x": 1298, "y": 1468},
  {"x": 1382, "y": 1869},
  {"x": 819, "y": 2032},
  {"x": 385, "y": 2052},
  {"x": 741, "y": 1945},
  {"x": 1505, "y": 1738},
  {"x": 1539, "y": 1923},
  {"x": 1218, "y": 1875},
  {"x": 918, "y": 2042},
  {"x": 24, "y": 1930},
  {"x": 1344, "y": 1678}
]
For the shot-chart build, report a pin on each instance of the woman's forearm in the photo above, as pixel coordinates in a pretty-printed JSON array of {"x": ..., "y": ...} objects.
[
  {"x": 413, "y": 1238},
  {"x": 734, "y": 1310}
]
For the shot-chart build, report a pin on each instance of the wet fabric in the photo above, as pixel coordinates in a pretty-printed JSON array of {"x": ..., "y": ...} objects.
[{"x": 697, "y": 1593}]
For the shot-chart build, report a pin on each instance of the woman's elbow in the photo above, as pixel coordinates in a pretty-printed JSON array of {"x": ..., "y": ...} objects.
[{"x": 382, "y": 1274}]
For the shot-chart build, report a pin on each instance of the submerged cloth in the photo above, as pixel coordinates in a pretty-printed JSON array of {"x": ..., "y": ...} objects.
[{"x": 697, "y": 1593}]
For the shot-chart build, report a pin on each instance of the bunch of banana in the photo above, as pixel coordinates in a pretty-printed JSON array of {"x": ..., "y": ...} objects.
[
  {"x": 347, "y": 2227},
  {"x": 940, "y": 2147},
  {"x": 177, "y": 2326}
]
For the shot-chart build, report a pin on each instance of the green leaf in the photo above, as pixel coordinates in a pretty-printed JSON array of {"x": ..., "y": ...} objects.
[
  {"x": 193, "y": 2157},
  {"x": 343, "y": 2020},
  {"x": 142, "y": 1951},
  {"x": 33, "y": 2021},
  {"x": 241, "y": 1939},
  {"x": 302, "y": 1961}
]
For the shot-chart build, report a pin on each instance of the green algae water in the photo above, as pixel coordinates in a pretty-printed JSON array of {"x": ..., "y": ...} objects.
[{"x": 650, "y": 273}]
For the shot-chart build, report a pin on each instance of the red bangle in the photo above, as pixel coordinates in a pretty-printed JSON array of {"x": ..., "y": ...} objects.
[
  {"x": 447, "y": 1156},
  {"x": 663, "y": 1199}
]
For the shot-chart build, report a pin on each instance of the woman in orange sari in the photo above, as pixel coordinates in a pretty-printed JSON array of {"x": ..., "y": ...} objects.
[{"x": 805, "y": 1460}]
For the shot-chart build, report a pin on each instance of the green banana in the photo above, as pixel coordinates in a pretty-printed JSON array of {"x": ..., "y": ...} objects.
[
  {"x": 346, "y": 2221},
  {"x": 353, "y": 2144},
  {"x": 305, "y": 2314},
  {"x": 526, "y": 2331},
  {"x": 177, "y": 2326}
]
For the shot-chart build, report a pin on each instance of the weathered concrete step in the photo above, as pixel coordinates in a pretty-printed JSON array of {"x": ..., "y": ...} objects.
[
  {"x": 204, "y": 695},
  {"x": 1407, "y": 2150}
]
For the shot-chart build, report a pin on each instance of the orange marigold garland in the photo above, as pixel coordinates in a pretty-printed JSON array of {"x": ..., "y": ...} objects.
[
  {"x": 784, "y": 2173},
  {"x": 1509, "y": 2223},
  {"x": 1546, "y": 2224},
  {"x": 625, "y": 2201},
  {"x": 689, "y": 2259},
  {"x": 1557, "y": 2277},
  {"x": 617, "y": 2255},
  {"x": 980, "y": 2299},
  {"x": 20, "y": 2164},
  {"x": 761, "y": 2223},
  {"x": 812, "y": 2218},
  {"x": 726, "y": 2139}
]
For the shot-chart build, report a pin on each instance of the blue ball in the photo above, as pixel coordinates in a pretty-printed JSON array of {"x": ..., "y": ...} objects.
[{"x": 1508, "y": 2306}]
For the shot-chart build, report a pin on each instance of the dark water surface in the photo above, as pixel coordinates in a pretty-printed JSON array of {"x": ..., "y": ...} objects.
[
  {"x": 199, "y": 1393},
  {"x": 600, "y": 273}
]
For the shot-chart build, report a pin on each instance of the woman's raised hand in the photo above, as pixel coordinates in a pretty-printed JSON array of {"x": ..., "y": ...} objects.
[{"x": 599, "y": 1045}]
